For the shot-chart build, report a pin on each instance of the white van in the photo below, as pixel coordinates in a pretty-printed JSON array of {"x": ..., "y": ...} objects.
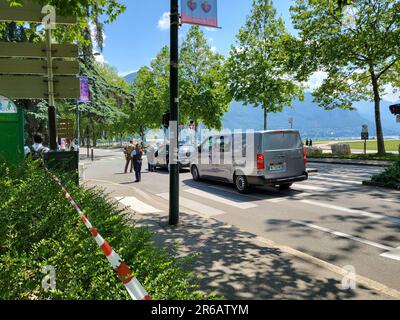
[{"x": 274, "y": 158}]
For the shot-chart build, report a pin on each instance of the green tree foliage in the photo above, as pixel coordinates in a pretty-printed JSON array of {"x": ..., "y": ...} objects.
[
  {"x": 110, "y": 100},
  {"x": 148, "y": 112},
  {"x": 358, "y": 47},
  {"x": 204, "y": 96},
  {"x": 160, "y": 69},
  {"x": 258, "y": 69}
]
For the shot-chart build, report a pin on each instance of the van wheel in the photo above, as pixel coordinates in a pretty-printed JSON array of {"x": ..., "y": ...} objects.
[
  {"x": 285, "y": 186},
  {"x": 195, "y": 173},
  {"x": 241, "y": 184}
]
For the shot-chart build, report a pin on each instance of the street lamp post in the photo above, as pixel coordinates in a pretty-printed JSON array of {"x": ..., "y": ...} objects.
[{"x": 174, "y": 116}]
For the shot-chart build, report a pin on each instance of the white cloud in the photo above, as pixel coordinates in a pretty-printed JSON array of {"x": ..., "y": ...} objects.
[
  {"x": 316, "y": 80},
  {"x": 164, "y": 22},
  {"x": 100, "y": 58},
  {"x": 391, "y": 94},
  {"x": 214, "y": 49},
  {"x": 210, "y": 29}
]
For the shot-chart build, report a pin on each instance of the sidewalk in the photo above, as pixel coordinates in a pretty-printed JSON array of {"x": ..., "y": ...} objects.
[{"x": 236, "y": 264}]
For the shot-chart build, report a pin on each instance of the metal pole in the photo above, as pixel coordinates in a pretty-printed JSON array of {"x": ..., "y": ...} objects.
[
  {"x": 174, "y": 110},
  {"x": 50, "y": 82},
  {"x": 78, "y": 130}
]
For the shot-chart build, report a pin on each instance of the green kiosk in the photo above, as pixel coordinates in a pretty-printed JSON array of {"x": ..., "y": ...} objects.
[{"x": 11, "y": 132}]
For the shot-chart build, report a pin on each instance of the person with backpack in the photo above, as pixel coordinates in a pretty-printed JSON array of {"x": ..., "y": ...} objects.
[
  {"x": 38, "y": 149},
  {"x": 128, "y": 151}
]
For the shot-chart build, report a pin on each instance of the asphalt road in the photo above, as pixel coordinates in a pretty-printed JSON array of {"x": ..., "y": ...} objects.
[{"x": 332, "y": 217}]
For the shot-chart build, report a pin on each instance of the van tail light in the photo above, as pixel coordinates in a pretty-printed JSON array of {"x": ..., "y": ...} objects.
[
  {"x": 260, "y": 162},
  {"x": 305, "y": 156}
]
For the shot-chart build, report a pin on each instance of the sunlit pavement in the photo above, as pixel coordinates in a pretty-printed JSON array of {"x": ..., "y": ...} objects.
[{"x": 332, "y": 219}]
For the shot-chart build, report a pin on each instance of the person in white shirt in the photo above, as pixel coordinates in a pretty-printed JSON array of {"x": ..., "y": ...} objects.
[{"x": 38, "y": 149}]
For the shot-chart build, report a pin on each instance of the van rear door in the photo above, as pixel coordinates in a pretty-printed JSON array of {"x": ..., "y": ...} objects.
[{"x": 283, "y": 154}]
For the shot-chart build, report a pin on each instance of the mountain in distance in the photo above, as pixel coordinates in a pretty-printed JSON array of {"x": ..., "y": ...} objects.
[
  {"x": 313, "y": 121},
  {"x": 130, "y": 77}
]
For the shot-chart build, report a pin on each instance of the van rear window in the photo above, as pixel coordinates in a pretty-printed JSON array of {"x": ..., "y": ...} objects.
[{"x": 282, "y": 141}]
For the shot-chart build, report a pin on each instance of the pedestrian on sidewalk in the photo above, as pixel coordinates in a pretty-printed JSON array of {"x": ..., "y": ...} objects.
[
  {"x": 137, "y": 156},
  {"x": 128, "y": 151}
]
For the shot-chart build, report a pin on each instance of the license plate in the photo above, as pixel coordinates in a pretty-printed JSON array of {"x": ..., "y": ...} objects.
[{"x": 278, "y": 167}]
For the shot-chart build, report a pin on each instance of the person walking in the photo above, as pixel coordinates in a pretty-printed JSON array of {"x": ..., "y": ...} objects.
[
  {"x": 128, "y": 151},
  {"x": 137, "y": 156}
]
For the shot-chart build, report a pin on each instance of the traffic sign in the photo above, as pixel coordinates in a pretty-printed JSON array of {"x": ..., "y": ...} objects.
[
  {"x": 28, "y": 12},
  {"x": 38, "y": 66},
  {"x": 37, "y": 50},
  {"x": 35, "y": 87},
  {"x": 395, "y": 109}
]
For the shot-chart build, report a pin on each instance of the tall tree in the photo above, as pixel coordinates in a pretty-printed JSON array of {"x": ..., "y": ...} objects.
[
  {"x": 204, "y": 96},
  {"x": 257, "y": 67},
  {"x": 358, "y": 47},
  {"x": 148, "y": 112}
]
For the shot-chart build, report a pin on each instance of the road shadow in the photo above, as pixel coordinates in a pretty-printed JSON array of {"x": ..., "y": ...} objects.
[{"x": 231, "y": 263}]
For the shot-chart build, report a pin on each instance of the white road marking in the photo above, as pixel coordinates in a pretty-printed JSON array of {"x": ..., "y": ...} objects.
[
  {"x": 353, "y": 211},
  {"x": 393, "y": 254},
  {"x": 390, "y": 200},
  {"x": 343, "y": 235},
  {"x": 195, "y": 206},
  {"x": 319, "y": 178},
  {"x": 310, "y": 187},
  {"x": 206, "y": 195},
  {"x": 137, "y": 205}
]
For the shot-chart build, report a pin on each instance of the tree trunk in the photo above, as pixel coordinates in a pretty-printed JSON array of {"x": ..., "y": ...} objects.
[
  {"x": 142, "y": 134},
  {"x": 265, "y": 118},
  {"x": 378, "y": 122}
]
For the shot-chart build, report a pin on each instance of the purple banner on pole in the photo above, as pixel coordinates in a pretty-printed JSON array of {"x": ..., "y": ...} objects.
[
  {"x": 85, "y": 96},
  {"x": 202, "y": 12}
]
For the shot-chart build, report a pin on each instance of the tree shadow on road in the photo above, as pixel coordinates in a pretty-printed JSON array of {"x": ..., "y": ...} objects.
[{"x": 232, "y": 263}]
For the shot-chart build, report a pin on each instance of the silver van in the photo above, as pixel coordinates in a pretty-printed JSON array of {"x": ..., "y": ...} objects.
[{"x": 273, "y": 158}]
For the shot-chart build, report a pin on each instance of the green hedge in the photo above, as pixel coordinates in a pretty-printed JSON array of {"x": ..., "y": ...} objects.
[
  {"x": 390, "y": 177},
  {"x": 38, "y": 228}
]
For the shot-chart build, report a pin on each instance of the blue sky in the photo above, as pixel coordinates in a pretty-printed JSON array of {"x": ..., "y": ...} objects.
[{"x": 137, "y": 35}]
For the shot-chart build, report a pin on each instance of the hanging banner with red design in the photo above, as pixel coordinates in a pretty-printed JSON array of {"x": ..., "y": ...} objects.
[{"x": 201, "y": 12}]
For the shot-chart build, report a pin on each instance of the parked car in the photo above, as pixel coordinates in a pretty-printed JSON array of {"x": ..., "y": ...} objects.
[
  {"x": 186, "y": 155},
  {"x": 273, "y": 158}
]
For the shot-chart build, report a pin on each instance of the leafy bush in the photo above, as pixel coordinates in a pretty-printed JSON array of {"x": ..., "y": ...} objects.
[
  {"x": 314, "y": 151},
  {"x": 39, "y": 228},
  {"x": 390, "y": 177}
]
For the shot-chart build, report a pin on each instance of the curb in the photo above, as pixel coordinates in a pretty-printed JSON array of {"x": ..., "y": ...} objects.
[
  {"x": 379, "y": 185},
  {"x": 351, "y": 163}
]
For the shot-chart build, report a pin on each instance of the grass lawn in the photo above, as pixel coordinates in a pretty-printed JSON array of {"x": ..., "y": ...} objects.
[{"x": 391, "y": 145}]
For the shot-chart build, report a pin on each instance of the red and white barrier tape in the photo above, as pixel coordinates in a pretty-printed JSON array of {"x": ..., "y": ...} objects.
[{"x": 132, "y": 285}]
